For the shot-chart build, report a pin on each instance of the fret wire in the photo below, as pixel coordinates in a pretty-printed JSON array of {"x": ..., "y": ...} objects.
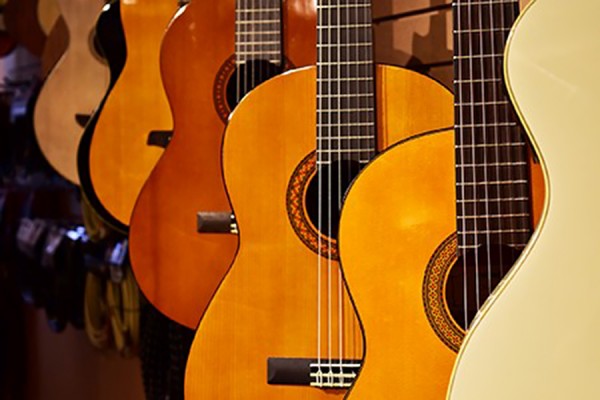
[
  {"x": 345, "y": 96},
  {"x": 507, "y": 182},
  {"x": 258, "y": 31},
  {"x": 495, "y": 200}
]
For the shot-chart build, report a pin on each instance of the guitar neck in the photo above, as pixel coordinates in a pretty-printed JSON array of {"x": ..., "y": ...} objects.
[
  {"x": 345, "y": 81},
  {"x": 258, "y": 31},
  {"x": 493, "y": 196}
]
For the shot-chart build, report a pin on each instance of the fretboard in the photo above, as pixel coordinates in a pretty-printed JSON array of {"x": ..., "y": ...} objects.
[
  {"x": 345, "y": 81},
  {"x": 492, "y": 186},
  {"x": 258, "y": 31}
]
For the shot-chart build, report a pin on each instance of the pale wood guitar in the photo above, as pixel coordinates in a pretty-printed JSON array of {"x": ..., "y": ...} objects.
[
  {"x": 430, "y": 227},
  {"x": 537, "y": 336},
  {"x": 72, "y": 90}
]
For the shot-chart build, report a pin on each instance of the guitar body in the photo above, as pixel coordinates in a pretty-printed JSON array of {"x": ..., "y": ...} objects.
[
  {"x": 267, "y": 303},
  {"x": 55, "y": 47},
  {"x": 47, "y": 15},
  {"x": 21, "y": 20},
  {"x": 386, "y": 256},
  {"x": 111, "y": 40},
  {"x": 74, "y": 87},
  {"x": 177, "y": 268},
  {"x": 537, "y": 337},
  {"x": 119, "y": 158}
]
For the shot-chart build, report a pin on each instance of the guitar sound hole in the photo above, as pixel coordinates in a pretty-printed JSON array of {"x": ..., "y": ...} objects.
[
  {"x": 487, "y": 265},
  {"x": 247, "y": 76},
  {"x": 334, "y": 179}
]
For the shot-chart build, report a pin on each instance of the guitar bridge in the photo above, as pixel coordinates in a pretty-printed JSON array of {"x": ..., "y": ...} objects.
[
  {"x": 216, "y": 222},
  {"x": 311, "y": 372}
]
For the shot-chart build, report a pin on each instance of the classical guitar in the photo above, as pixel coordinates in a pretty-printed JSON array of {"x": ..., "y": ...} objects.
[
  {"x": 536, "y": 338},
  {"x": 55, "y": 47},
  {"x": 178, "y": 269},
  {"x": 47, "y": 15},
  {"x": 281, "y": 325},
  {"x": 120, "y": 159},
  {"x": 111, "y": 40},
  {"x": 431, "y": 226},
  {"x": 72, "y": 90}
]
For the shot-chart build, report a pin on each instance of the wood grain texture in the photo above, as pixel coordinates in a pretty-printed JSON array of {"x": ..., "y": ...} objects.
[
  {"x": 177, "y": 268},
  {"x": 75, "y": 86},
  {"x": 537, "y": 337},
  {"x": 120, "y": 161},
  {"x": 385, "y": 255},
  {"x": 267, "y": 303}
]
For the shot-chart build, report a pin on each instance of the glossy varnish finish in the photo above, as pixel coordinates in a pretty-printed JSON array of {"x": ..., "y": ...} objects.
[
  {"x": 75, "y": 86},
  {"x": 388, "y": 258},
  {"x": 177, "y": 268},
  {"x": 120, "y": 160},
  {"x": 266, "y": 305},
  {"x": 537, "y": 337}
]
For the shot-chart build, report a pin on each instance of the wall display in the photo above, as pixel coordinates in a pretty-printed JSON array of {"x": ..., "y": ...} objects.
[
  {"x": 111, "y": 39},
  {"x": 541, "y": 326},
  {"x": 77, "y": 84},
  {"x": 281, "y": 324},
  {"x": 120, "y": 158},
  {"x": 178, "y": 268},
  {"x": 458, "y": 214}
]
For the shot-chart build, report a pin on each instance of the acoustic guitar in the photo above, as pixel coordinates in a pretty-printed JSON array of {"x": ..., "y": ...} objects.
[
  {"x": 72, "y": 90},
  {"x": 111, "y": 40},
  {"x": 431, "y": 226},
  {"x": 47, "y": 14},
  {"x": 120, "y": 159},
  {"x": 177, "y": 267},
  {"x": 281, "y": 325},
  {"x": 55, "y": 47},
  {"x": 536, "y": 337}
]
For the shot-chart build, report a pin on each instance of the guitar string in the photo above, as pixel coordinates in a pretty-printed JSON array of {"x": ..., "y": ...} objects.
[
  {"x": 518, "y": 152},
  {"x": 473, "y": 154},
  {"x": 460, "y": 152},
  {"x": 329, "y": 194},
  {"x": 484, "y": 131},
  {"x": 339, "y": 205},
  {"x": 238, "y": 41},
  {"x": 320, "y": 110},
  {"x": 496, "y": 79}
]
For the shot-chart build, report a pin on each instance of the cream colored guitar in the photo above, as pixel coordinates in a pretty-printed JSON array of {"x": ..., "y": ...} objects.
[
  {"x": 538, "y": 336},
  {"x": 72, "y": 90}
]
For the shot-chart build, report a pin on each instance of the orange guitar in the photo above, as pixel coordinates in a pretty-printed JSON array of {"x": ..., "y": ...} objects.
[
  {"x": 433, "y": 224},
  {"x": 281, "y": 325},
  {"x": 177, "y": 268},
  {"x": 120, "y": 159}
]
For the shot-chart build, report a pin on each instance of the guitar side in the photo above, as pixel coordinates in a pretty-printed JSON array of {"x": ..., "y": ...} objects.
[
  {"x": 537, "y": 336},
  {"x": 74, "y": 87},
  {"x": 266, "y": 305},
  {"x": 111, "y": 39}
]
